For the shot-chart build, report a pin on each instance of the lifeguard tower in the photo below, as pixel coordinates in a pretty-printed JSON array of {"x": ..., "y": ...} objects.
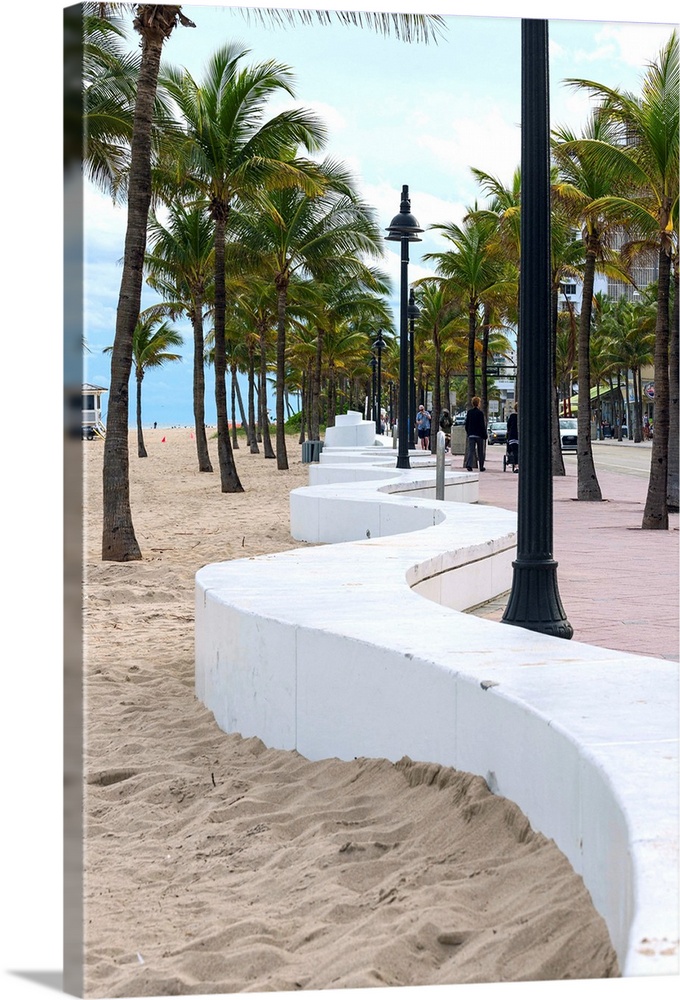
[{"x": 92, "y": 423}]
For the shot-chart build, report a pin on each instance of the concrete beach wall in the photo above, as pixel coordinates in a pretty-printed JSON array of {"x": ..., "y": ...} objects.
[{"x": 339, "y": 651}]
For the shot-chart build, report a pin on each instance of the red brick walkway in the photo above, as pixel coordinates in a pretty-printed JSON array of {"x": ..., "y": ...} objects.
[{"x": 618, "y": 583}]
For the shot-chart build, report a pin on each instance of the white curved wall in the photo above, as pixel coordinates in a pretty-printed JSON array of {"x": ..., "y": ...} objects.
[
  {"x": 333, "y": 651},
  {"x": 350, "y": 430}
]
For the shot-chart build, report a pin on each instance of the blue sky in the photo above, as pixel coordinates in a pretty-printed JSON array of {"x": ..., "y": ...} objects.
[{"x": 396, "y": 114}]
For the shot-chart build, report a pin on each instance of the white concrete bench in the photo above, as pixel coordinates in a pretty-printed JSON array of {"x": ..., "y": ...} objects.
[{"x": 335, "y": 652}]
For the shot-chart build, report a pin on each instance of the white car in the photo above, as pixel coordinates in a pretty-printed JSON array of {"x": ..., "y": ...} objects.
[{"x": 568, "y": 433}]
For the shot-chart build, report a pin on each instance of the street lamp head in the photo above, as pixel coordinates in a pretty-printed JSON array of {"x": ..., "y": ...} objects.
[
  {"x": 379, "y": 344},
  {"x": 412, "y": 310},
  {"x": 404, "y": 225}
]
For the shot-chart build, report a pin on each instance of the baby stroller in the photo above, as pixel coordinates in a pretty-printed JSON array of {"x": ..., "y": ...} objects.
[{"x": 511, "y": 456}]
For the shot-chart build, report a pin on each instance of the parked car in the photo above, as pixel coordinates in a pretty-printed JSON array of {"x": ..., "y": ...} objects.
[
  {"x": 497, "y": 432},
  {"x": 459, "y": 419},
  {"x": 568, "y": 437}
]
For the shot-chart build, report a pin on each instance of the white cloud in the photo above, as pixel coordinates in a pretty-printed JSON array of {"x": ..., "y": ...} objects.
[
  {"x": 635, "y": 44},
  {"x": 104, "y": 223},
  {"x": 615, "y": 49},
  {"x": 489, "y": 141},
  {"x": 571, "y": 108},
  {"x": 333, "y": 118}
]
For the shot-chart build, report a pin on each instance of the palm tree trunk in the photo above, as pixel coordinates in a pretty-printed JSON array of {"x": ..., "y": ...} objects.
[
  {"x": 229, "y": 479},
  {"x": 254, "y": 447},
  {"x": 234, "y": 383},
  {"x": 472, "y": 330},
  {"x": 141, "y": 450},
  {"x": 204, "y": 463},
  {"x": 316, "y": 388},
  {"x": 656, "y": 506},
  {"x": 241, "y": 408},
  {"x": 637, "y": 404},
  {"x": 119, "y": 543},
  {"x": 282, "y": 291},
  {"x": 264, "y": 417},
  {"x": 484, "y": 365},
  {"x": 672, "y": 498},
  {"x": 303, "y": 406},
  {"x": 310, "y": 401},
  {"x": 155, "y": 23},
  {"x": 330, "y": 415},
  {"x": 588, "y": 487},
  {"x": 557, "y": 459}
]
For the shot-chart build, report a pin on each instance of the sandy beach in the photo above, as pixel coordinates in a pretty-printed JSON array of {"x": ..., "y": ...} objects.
[{"x": 216, "y": 865}]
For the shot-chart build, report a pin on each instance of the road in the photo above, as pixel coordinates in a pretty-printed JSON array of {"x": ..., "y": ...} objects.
[{"x": 610, "y": 456}]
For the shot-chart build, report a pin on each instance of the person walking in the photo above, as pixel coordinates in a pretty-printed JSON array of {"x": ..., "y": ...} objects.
[
  {"x": 513, "y": 439},
  {"x": 423, "y": 424},
  {"x": 475, "y": 428},
  {"x": 445, "y": 424}
]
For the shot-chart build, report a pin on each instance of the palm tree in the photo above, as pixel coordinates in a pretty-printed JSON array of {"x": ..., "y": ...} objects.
[
  {"x": 644, "y": 155},
  {"x": 180, "y": 266},
  {"x": 319, "y": 235},
  {"x": 503, "y": 209},
  {"x": 256, "y": 302},
  {"x": 345, "y": 305},
  {"x": 673, "y": 478},
  {"x": 440, "y": 316},
  {"x": 230, "y": 152},
  {"x": 409, "y": 27},
  {"x": 567, "y": 259},
  {"x": 155, "y": 24},
  {"x": 600, "y": 363},
  {"x": 354, "y": 310},
  {"x": 579, "y": 187},
  {"x": 150, "y": 342},
  {"x": 105, "y": 107},
  {"x": 630, "y": 329},
  {"x": 475, "y": 272}
]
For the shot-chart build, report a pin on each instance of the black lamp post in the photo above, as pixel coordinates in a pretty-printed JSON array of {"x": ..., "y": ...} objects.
[
  {"x": 378, "y": 345},
  {"x": 534, "y": 601},
  {"x": 374, "y": 365},
  {"x": 402, "y": 229},
  {"x": 413, "y": 313}
]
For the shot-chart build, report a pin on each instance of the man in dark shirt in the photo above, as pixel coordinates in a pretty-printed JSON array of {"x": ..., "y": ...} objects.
[{"x": 475, "y": 428}]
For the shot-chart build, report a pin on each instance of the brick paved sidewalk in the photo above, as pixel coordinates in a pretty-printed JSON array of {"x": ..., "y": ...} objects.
[{"x": 618, "y": 584}]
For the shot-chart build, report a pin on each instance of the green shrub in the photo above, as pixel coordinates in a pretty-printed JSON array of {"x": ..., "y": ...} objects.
[{"x": 292, "y": 425}]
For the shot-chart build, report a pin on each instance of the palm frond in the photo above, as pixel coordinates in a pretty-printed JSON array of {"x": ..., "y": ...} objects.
[{"x": 406, "y": 27}]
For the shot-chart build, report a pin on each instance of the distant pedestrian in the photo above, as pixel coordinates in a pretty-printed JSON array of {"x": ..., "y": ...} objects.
[
  {"x": 445, "y": 425},
  {"x": 155, "y": 425},
  {"x": 423, "y": 424},
  {"x": 475, "y": 428},
  {"x": 513, "y": 439}
]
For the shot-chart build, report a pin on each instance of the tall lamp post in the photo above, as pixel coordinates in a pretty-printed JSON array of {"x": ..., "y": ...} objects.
[
  {"x": 402, "y": 229},
  {"x": 378, "y": 345},
  {"x": 374, "y": 364},
  {"x": 534, "y": 601},
  {"x": 413, "y": 313}
]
